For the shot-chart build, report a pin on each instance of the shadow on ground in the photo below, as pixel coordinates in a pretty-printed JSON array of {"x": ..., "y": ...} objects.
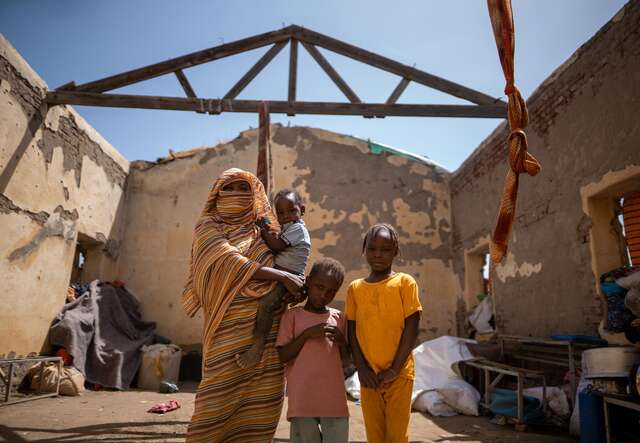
[{"x": 107, "y": 432}]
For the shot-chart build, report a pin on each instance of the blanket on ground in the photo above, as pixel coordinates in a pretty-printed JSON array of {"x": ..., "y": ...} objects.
[{"x": 103, "y": 331}]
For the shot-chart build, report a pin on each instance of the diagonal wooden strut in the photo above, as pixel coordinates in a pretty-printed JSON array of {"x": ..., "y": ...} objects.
[
  {"x": 386, "y": 64},
  {"x": 185, "y": 61},
  {"x": 397, "y": 92},
  {"x": 255, "y": 70},
  {"x": 332, "y": 73}
]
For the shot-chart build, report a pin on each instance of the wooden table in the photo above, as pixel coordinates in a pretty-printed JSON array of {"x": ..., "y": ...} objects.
[{"x": 617, "y": 400}]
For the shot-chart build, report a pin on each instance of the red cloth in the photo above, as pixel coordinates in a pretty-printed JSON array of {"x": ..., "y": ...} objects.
[{"x": 162, "y": 408}]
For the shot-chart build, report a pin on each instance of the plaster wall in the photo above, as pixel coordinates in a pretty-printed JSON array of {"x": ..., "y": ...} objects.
[
  {"x": 346, "y": 189},
  {"x": 58, "y": 178},
  {"x": 584, "y": 130}
]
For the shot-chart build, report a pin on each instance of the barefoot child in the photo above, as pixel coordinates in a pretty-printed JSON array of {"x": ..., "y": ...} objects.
[
  {"x": 292, "y": 247},
  {"x": 310, "y": 342},
  {"x": 383, "y": 313}
]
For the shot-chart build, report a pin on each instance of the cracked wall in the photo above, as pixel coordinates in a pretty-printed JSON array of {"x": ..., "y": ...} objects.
[
  {"x": 58, "y": 178},
  {"x": 164, "y": 200},
  {"x": 583, "y": 127}
]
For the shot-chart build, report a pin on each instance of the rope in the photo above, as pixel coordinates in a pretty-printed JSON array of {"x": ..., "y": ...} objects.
[{"x": 520, "y": 161}]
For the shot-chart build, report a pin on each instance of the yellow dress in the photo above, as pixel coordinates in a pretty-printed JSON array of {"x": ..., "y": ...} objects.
[{"x": 379, "y": 310}]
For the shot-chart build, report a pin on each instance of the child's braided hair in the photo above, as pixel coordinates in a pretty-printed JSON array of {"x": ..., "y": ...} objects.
[
  {"x": 328, "y": 266},
  {"x": 375, "y": 229}
]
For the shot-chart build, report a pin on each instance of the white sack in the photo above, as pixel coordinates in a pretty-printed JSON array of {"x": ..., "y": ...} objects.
[
  {"x": 352, "y": 386},
  {"x": 556, "y": 398},
  {"x": 461, "y": 396},
  {"x": 433, "y": 403},
  {"x": 481, "y": 316}
]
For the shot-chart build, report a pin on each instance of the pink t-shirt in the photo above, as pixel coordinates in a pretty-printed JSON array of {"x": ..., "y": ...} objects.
[{"x": 315, "y": 383}]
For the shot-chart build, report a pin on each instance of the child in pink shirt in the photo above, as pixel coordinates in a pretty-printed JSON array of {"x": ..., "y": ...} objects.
[{"x": 311, "y": 342}]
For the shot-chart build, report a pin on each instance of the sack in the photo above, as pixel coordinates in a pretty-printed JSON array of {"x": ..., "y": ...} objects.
[
  {"x": 461, "y": 396},
  {"x": 71, "y": 380},
  {"x": 433, "y": 403}
]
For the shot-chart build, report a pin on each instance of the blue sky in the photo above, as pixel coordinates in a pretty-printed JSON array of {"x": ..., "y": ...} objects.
[{"x": 68, "y": 40}]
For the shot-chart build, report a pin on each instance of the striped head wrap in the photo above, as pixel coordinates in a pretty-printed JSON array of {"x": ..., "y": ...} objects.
[{"x": 227, "y": 249}]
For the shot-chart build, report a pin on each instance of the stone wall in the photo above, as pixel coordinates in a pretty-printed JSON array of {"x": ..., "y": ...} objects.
[
  {"x": 59, "y": 180},
  {"x": 346, "y": 188},
  {"x": 584, "y": 130}
]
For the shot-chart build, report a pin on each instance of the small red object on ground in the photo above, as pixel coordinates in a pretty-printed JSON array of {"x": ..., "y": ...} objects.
[{"x": 163, "y": 408}]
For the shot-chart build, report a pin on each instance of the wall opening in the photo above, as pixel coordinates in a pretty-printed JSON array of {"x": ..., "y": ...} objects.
[
  {"x": 86, "y": 247},
  {"x": 614, "y": 224}
]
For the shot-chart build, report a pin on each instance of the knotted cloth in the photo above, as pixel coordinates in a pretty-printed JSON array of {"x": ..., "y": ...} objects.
[{"x": 519, "y": 159}]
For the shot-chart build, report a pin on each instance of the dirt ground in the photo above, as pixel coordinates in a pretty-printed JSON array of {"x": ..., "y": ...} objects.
[{"x": 121, "y": 417}]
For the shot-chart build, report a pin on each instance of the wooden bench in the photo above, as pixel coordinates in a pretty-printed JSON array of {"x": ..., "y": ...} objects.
[{"x": 522, "y": 375}]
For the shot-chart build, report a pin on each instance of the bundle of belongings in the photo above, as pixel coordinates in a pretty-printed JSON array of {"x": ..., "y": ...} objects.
[
  {"x": 101, "y": 330},
  {"x": 621, "y": 288}
]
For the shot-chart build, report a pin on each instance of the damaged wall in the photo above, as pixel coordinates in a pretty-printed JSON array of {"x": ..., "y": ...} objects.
[
  {"x": 584, "y": 129},
  {"x": 58, "y": 178},
  {"x": 164, "y": 200}
]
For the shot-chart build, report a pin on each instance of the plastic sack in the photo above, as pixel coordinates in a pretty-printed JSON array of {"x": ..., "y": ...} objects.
[
  {"x": 434, "y": 360},
  {"x": 159, "y": 363},
  {"x": 461, "y": 396},
  {"x": 574, "y": 422},
  {"x": 433, "y": 403},
  {"x": 352, "y": 386},
  {"x": 481, "y": 316},
  {"x": 556, "y": 399}
]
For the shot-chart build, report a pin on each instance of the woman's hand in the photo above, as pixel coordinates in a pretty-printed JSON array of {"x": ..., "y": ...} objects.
[{"x": 293, "y": 283}]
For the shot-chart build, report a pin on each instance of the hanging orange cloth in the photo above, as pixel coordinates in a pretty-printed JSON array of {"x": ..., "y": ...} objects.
[
  {"x": 519, "y": 159},
  {"x": 263, "y": 170},
  {"x": 631, "y": 217}
]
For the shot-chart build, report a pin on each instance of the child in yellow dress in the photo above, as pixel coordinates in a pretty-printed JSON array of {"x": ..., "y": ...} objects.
[{"x": 383, "y": 314}]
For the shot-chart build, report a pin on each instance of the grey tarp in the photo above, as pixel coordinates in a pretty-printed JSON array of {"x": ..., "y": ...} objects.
[{"x": 103, "y": 331}]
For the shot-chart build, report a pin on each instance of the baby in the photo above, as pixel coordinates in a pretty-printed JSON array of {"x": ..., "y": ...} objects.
[{"x": 292, "y": 247}]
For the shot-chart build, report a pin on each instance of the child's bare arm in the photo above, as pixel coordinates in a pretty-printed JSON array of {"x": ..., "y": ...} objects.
[
  {"x": 407, "y": 342},
  {"x": 365, "y": 373},
  {"x": 292, "y": 349},
  {"x": 272, "y": 239}
]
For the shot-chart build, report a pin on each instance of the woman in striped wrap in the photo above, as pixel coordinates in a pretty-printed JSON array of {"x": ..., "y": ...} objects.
[{"x": 230, "y": 271}]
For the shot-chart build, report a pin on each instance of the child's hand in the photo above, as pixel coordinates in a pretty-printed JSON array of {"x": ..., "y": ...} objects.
[
  {"x": 263, "y": 223},
  {"x": 336, "y": 335},
  {"x": 319, "y": 330},
  {"x": 387, "y": 376},
  {"x": 367, "y": 377}
]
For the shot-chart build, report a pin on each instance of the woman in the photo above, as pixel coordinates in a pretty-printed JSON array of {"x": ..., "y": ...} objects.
[{"x": 230, "y": 271}]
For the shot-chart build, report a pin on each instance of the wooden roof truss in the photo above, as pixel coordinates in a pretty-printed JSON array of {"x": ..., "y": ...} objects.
[{"x": 95, "y": 93}]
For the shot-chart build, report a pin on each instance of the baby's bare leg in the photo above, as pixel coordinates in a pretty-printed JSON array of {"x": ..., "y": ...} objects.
[{"x": 264, "y": 319}]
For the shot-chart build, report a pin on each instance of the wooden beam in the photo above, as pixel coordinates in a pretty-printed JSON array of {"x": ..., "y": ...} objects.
[
  {"x": 332, "y": 73},
  {"x": 217, "y": 106},
  {"x": 186, "y": 61},
  {"x": 397, "y": 92},
  {"x": 255, "y": 70},
  {"x": 185, "y": 83},
  {"x": 384, "y": 63},
  {"x": 293, "y": 70}
]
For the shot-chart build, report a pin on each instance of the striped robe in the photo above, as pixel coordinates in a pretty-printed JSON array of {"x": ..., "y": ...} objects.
[{"x": 232, "y": 404}]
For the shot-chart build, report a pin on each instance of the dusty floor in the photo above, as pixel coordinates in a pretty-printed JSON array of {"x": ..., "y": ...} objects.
[{"x": 122, "y": 417}]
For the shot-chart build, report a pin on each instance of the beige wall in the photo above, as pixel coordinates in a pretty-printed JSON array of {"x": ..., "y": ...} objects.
[
  {"x": 584, "y": 130},
  {"x": 58, "y": 178},
  {"x": 346, "y": 189}
]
